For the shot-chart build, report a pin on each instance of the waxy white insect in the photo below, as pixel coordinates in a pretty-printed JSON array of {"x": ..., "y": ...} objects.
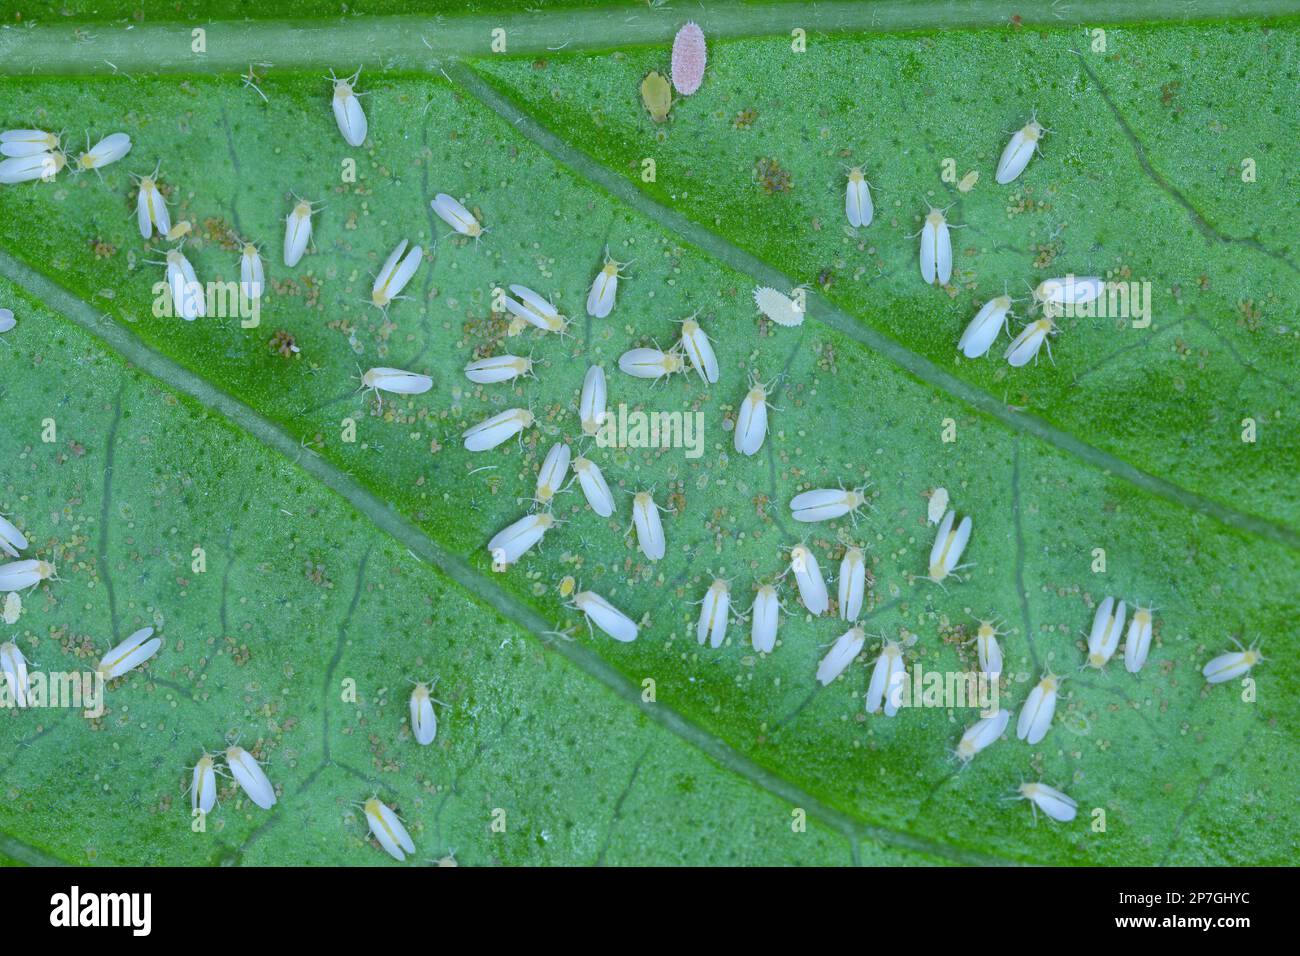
[
  {"x": 203, "y": 786},
  {"x": 498, "y": 368},
  {"x": 1137, "y": 645},
  {"x": 386, "y": 828},
  {"x": 11, "y": 539},
  {"x": 395, "y": 380},
  {"x": 1027, "y": 344},
  {"x": 988, "y": 649},
  {"x": 1016, "y": 155},
  {"x": 1054, "y": 295},
  {"x": 841, "y": 655},
  {"x": 451, "y": 212},
  {"x": 1107, "y": 626},
  {"x": 424, "y": 722},
  {"x": 25, "y": 169},
  {"x": 252, "y": 275},
  {"x": 808, "y": 578},
  {"x": 689, "y": 57},
  {"x": 14, "y": 667},
  {"x": 150, "y": 207},
  {"x": 751, "y": 420},
  {"x": 605, "y": 616},
  {"x": 982, "y": 733},
  {"x": 27, "y": 142},
  {"x": 779, "y": 307},
  {"x": 765, "y": 618},
  {"x": 936, "y": 248},
  {"x": 395, "y": 274},
  {"x": 651, "y": 363},
  {"x": 297, "y": 232},
  {"x": 594, "y": 487},
  {"x": 250, "y": 776},
  {"x": 936, "y": 505},
  {"x": 826, "y": 504},
  {"x": 591, "y": 406},
  {"x": 512, "y": 542},
  {"x": 1232, "y": 665},
  {"x": 885, "y": 692},
  {"x": 698, "y": 348},
  {"x": 130, "y": 654},
  {"x": 604, "y": 288},
  {"x": 189, "y": 298},
  {"x": 535, "y": 310},
  {"x": 108, "y": 150},
  {"x": 501, "y": 427},
  {"x": 347, "y": 110},
  {"x": 984, "y": 329},
  {"x": 13, "y": 608},
  {"x": 857, "y": 199},
  {"x": 649, "y": 528},
  {"x": 853, "y": 584},
  {"x": 18, "y": 575},
  {"x": 949, "y": 543},
  {"x": 1038, "y": 709},
  {"x": 715, "y": 614},
  {"x": 550, "y": 477},
  {"x": 1051, "y": 801}
]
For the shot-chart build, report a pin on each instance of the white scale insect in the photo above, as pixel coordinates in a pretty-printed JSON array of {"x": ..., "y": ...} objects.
[
  {"x": 591, "y": 406},
  {"x": 1137, "y": 645},
  {"x": 188, "y": 296},
  {"x": 808, "y": 579},
  {"x": 550, "y": 477},
  {"x": 11, "y": 539},
  {"x": 395, "y": 381},
  {"x": 454, "y": 214},
  {"x": 846, "y": 647},
  {"x": 501, "y": 427},
  {"x": 498, "y": 368},
  {"x": 130, "y": 654},
  {"x": 936, "y": 506},
  {"x": 424, "y": 721},
  {"x": 1107, "y": 625},
  {"x": 108, "y": 150},
  {"x": 981, "y": 734},
  {"x": 1029, "y": 342},
  {"x": 1038, "y": 709},
  {"x": 779, "y": 307},
  {"x": 388, "y": 830},
  {"x": 983, "y": 330},
  {"x": 649, "y": 528},
  {"x": 715, "y": 614},
  {"x": 28, "y": 142},
  {"x": 651, "y": 363},
  {"x": 395, "y": 274},
  {"x": 515, "y": 540},
  {"x": 885, "y": 692},
  {"x": 857, "y": 199},
  {"x": 252, "y": 275},
  {"x": 347, "y": 110},
  {"x": 826, "y": 504},
  {"x": 297, "y": 232},
  {"x": 765, "y": 614},
  {"x": 988, "y": 649},
  {"x": 695, "y": 343},
  {"x": 853, "y": 584},
  {"x": 751, "y": 420},
  {"x": 250, "y": 776},
  {"x": 25, "y": 169},
  {"x": 150, "y": 207},
  {"x": 594, "y": 487},
  {"x": 203, "y": 786},
  {"x": 1051, "y": 801},
  {"x": 1232, "y": 665},
  {"x": 936, "y": 248},
  {"x": 1018, "y": 152},
  {"x": 536, "y": 311},
  {"x": 605, "y": 616},
  {"x": 949, "y": 543},
  {"x": 604, "y": 288},
  {"x": 14, "y": 666},
  {"x": 19, "y": 575}
]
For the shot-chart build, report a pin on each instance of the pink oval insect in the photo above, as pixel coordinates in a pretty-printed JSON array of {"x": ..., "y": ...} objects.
[{"x": 689, "y": 56}]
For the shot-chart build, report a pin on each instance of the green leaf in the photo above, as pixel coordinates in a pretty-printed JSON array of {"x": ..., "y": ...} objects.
[{"x": 329, "y": 562}]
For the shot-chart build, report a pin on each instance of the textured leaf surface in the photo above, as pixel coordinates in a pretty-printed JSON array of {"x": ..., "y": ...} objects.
[{"x": 330, "y": 561}]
